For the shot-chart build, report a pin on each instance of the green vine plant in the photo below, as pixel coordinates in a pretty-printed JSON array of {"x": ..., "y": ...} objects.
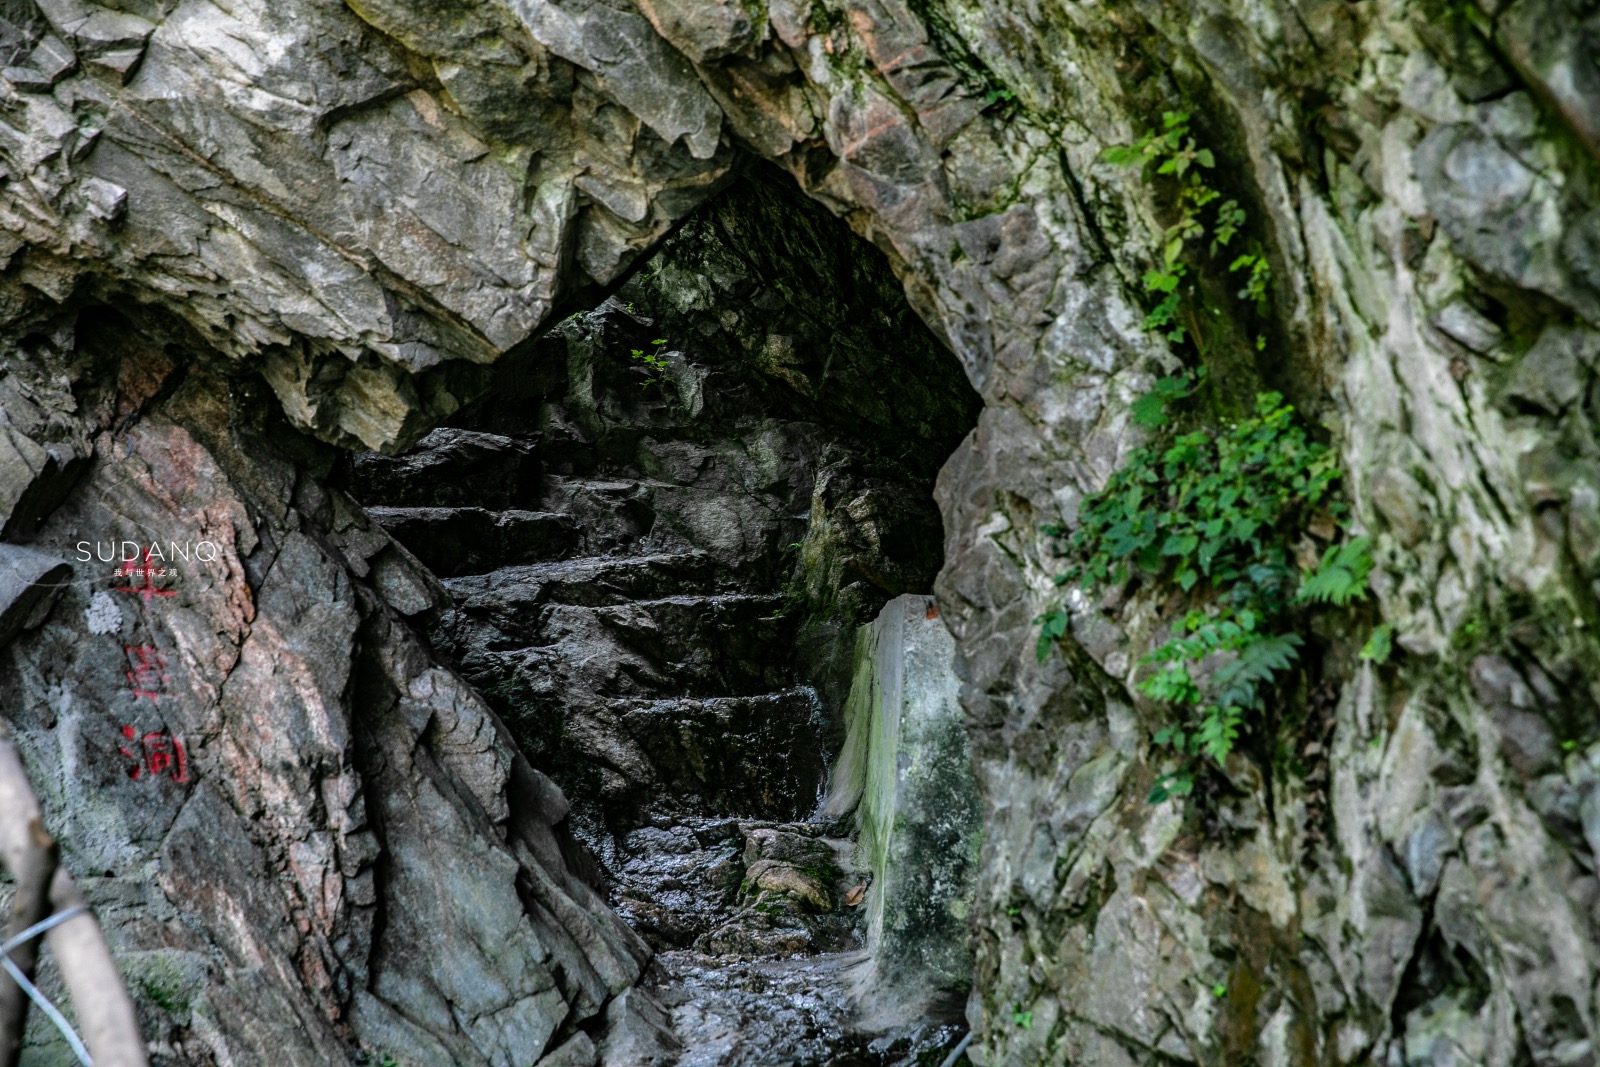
[
  {"x": 1218, "y": 514},
  {"x": 653, "y": 363},
  {"x": 1172, "y": 151}
]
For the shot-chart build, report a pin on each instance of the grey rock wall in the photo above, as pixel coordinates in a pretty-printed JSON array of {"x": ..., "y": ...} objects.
[
  {"x": 365, "y": 205},
  {"x": 303, "y": 835}
]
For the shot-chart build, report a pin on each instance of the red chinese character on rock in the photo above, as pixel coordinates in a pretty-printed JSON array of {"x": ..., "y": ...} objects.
[
  {"x": 142, "y": 569},
  {"x": 163, "y": 754},
  {"x": 147, "y": 675},
  {"x": 158, "y": 754},
  {"x": 129, "y": 733}
]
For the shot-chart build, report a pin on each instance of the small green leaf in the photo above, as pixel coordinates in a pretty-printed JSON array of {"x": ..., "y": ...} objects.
[
  {"x": 1052, "y": 625},
  {"x": 1379, "y": 645},
  {"x": 1149, "y": 411},
  {"x": 1179, "y": 545},
  {"x": 1219, "y": 990}
]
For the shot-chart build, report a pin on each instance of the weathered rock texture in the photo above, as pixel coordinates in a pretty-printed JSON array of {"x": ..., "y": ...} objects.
[
  {"x": 365, "y": 205},
  {"x": 653, "y": 571},
  {"x": 656, "y": 569},
  {"x": 906, "y": 772},
  {"x": 303, "y": 836},
  {"x": 319, "y": 842}
]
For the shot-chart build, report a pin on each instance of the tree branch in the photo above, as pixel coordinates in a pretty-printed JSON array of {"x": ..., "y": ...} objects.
[
  {"x": 105, "y": 1011},
  {"x": 32, "y": 905}
]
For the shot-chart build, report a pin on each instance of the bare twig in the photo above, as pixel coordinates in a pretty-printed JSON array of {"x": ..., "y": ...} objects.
[
  {"x": 104, "y": 1009},
  {"x": 31, "y": 905}
]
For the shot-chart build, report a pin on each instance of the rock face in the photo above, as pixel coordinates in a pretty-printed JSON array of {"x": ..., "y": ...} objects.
[
  {"x": 654, "y": 546},
  {"x": 238, "y": 693},
  {"x": 663, "y": 525},
  {"x": 276, "y": 798},
  {"x": 365, "y": 205},
  {"x": 906, "y": 772}
]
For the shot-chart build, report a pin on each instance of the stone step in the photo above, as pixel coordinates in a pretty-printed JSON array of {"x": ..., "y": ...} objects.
[
  {"x": 584, "y": 655},
  {"x": 611, "y": 517},
  {"x": 471, "y": 540},
  {"x": 448, "y": 468},
  {"x": 587, "y": 581},
  {"x": 750, "y": 756}
]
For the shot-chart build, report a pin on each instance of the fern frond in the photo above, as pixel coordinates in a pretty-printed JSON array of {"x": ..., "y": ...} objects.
[
  {"x": 1219, "y": 729},
  {"x": 1341, "y": 576},
  {"x": 1238, "y": 683}
]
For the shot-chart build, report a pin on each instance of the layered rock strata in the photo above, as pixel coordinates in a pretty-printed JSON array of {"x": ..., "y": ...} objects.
[
  {"x": 1420, "y": 178},
  {"x": 651, "y": 563},
  {"x": 305, "y": 838}
]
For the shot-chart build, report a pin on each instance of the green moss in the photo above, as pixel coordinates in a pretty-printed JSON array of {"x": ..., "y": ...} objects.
[{"x": 161, "y": 982}]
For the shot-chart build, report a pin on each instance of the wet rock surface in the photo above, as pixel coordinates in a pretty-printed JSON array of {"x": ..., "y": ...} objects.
[
  {"x": 785, "y": 1012},
  {"x": 309, "y": 837},
  {"x": 656, "y": 568},
  {"x": 649, "y": 567}
]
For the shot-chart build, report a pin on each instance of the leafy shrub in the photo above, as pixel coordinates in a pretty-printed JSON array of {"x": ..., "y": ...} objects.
[
  {"x": 1214, "y": 514},
  {"x": 1217, "y": 514}
]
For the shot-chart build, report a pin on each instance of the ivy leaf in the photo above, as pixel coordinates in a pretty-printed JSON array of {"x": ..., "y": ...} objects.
[
  {"x": 1179, "y": 545},
  {"x": 1205, "y": 158},
  {"x": 1052, "y": 625},
  {"x": 1161, "y": 281},
  {"x": 1150, "y": 411},
  {"x": 1178, "y": 784}
]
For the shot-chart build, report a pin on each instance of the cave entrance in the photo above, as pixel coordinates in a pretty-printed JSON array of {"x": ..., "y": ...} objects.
[{"x": 660, "y": 531}]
